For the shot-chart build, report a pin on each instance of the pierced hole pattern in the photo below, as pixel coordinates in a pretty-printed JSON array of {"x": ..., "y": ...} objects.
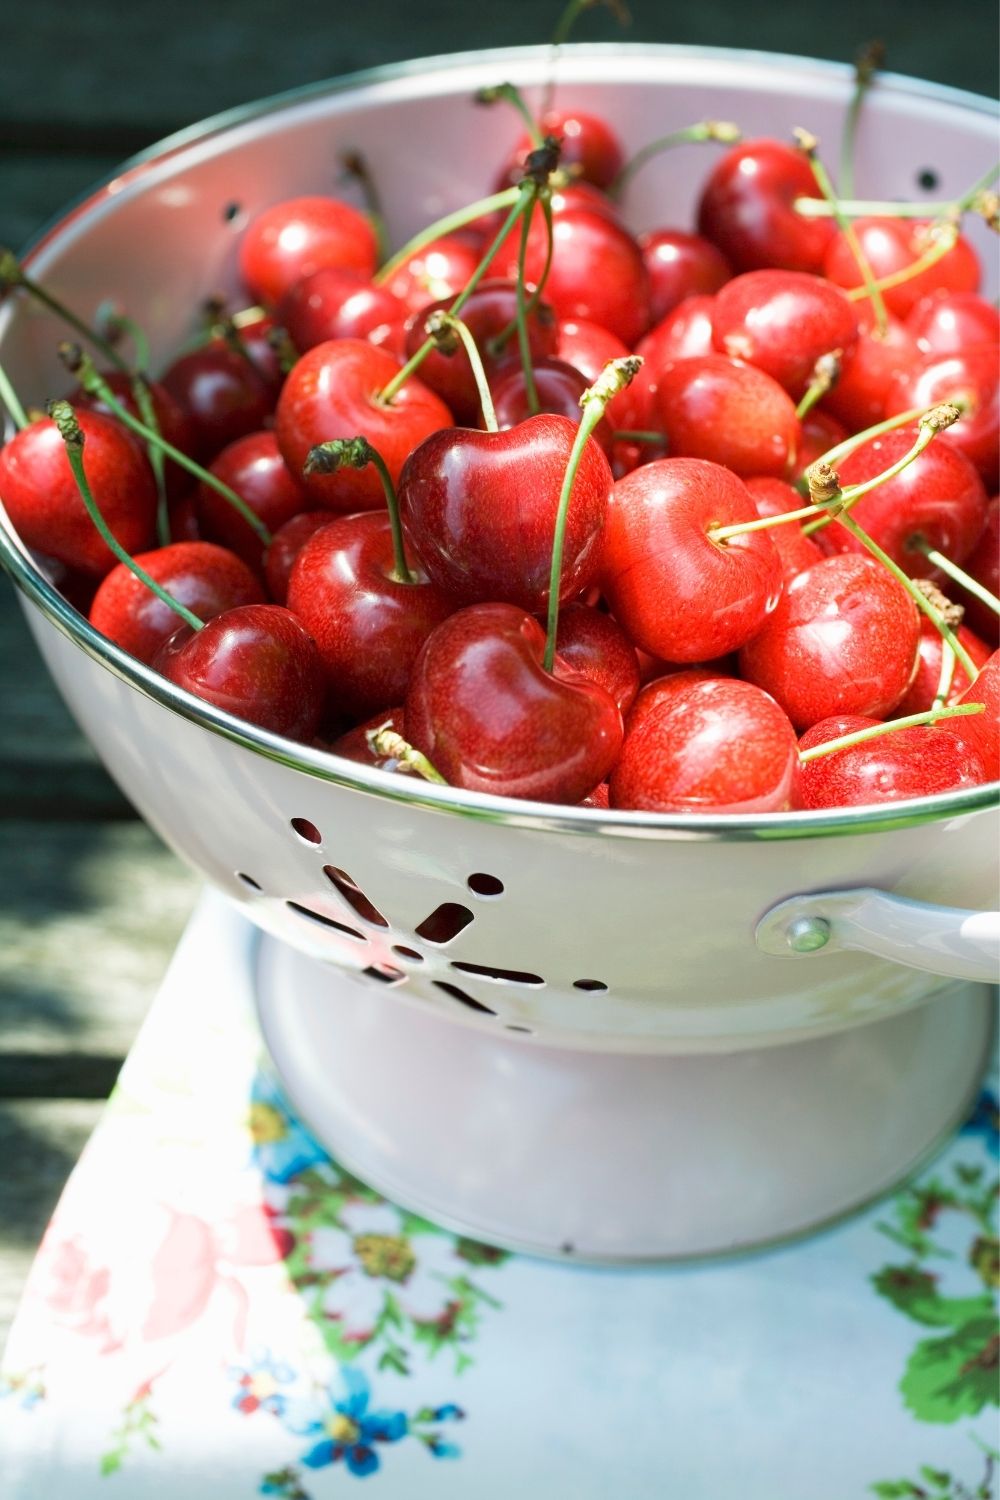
[
  {"x": 354, "y": 895},
  {"x": 248, "y": 881},
  {"x": 589, "y": 984},
  {"x": 411, "y": 953},
  {"x": 485, "y": 885},
  {"x": 503, "y": 976},
  {"x": 325, "y": 921},
  {"x": 462, "y": 998},
  {"x": 526, "y": 1029},
  {"x": 445, "y": 923},
  {"x": 231, "y": 211},
  {"x": 307, "y": 831},
  {"x": 928, "y": 179},
  {"x": 385, "y": 974}
]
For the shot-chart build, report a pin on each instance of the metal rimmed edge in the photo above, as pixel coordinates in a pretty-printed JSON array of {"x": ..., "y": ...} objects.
[{"x": 483, "y": 807}]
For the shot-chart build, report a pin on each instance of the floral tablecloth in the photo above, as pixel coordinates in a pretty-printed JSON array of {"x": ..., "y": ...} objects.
[{"x": 218, "y": 1309}]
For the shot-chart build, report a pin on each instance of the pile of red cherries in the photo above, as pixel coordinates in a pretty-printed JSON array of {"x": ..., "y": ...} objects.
[{"x": 383, "y": 586}]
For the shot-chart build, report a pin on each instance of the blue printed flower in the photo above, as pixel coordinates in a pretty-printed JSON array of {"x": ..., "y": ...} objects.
[
  {"x": 985, "y": 1121},
  {"x": 282, "y": 1148},
  {"x": 258, "y": 1387},
  {"x": 346, "y": 1429}
]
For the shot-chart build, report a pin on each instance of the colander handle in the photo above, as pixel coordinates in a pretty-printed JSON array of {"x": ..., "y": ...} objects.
[{"x": 939, "y": 939}]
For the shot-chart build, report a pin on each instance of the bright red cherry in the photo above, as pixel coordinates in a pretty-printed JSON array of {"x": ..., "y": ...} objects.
[
  {"x": 680, "y": 265},
  {"x": 747, "y": 209},
  {"x": 867, "y": 369},
  {"x": 716, "y": 745},
  {"x": 893, "y": 245},
  {"x": 254, "y": 468},
  {"x": 924, "y": 686},
  {"x": 489, "y": 718},
  {"x": 257, "y": 662},
  {"x": 917, "y": 762},
  {"x": 983, "y": 563},
  {"x": 294, "y": 238},
  {"x": 843, "y": 639},
  {"x": 367, "y": 625},
  {"x": 773, "y": 497},
  {"x": 479, "y": 509},
  {"x": 970, "y": 379},
  {"x": 333, "y": 392},
  {"x": 590, "y": 150},
  {"x": 983, "y": 730},
  {"x": 948, "y": 322},
  {"x": 783, "y": 322},
  {"x": 729, "y": 413},
  {"x": 206, "y": 578},
  {"x": 659, "y": 690},
  {"x": 680, "y": 595},
  {"x": 334, "y": 303},
  {"x": 438, "y": 271},
  {"x": 43, "y": 503}
]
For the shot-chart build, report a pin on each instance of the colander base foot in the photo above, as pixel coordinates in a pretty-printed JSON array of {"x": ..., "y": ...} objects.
[{"x": 615, "y": 1157}]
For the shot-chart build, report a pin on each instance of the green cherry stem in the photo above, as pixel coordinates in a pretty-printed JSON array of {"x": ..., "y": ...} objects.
[
  {"x": 500, "y": 340},
  {"x": 83, "y": 367},
  {"x": 634, "y": 435},
  {"x": 523, "y": 340},
  {"x": 616, "y": 375},
  {"x": 826, "y": 373},
  {"x": 864, "y": 208},
  {"x": 112, "y": 324},
  {"x": 834, "y": 455},
  {"x": 72, "y": 435},
  {"x": 875, "y": 731},
  {"x": 10, "y": 399},
  {"x": 958, "y": 575},
  {"x": 942, "y": 235},
  {"x": 456, "y": 220},
  {"x": 511, "y": 94},
  {"x": 945, "y": 677},
  {"x": 386, "y": 743},
  {"x": 356, "y": 169},
  {"x": 723, "y": 131},
  {"x": 870, "y": 58},
  {"x": 12, "y": 274},
  {"x": 147, "y": 411},
  {"x": 808, "y": 144},
  {"x": 444, "y": 328},
  {"x": 358, "y": 453}
]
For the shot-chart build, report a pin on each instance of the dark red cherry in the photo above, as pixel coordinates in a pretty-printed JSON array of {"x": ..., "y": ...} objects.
[
  {"x": 747, "y": 209},
  {"x": 172, "y": 420},
  {"x": 591, "y": 644},
  {"x": 867, "y": 369},
  {"x": 298, "y": 236},
  {"x": 680, "y": 265},
  {"x": 918, "y": 762},
  {"x": 438, "y": 271},
  {"x": 223, "y": 394},
  {"x": 286, "y": 544},
  {"x": 254, "y": 468},
  {"x": 819, "y": 433},
  {"x": 773, "y": 497},
  {"x": 356, "y": 745},
  {"x": 983, "y": 563},
  {"x": 558, "y": 386},
  {"x": 590, "y": 149}
]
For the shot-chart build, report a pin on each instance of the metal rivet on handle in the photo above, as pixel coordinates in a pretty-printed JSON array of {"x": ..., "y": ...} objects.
[{"x": 807, "y": 934}]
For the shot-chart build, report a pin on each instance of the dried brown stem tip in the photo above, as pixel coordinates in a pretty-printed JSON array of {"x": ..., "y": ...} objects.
[
  {"x": 807, "y": 143},
  {"x": 951, "y": 614},
  {"x": 439, "y": 327},
  {"x": 941, "y": 417},
  {"x": 71, "y": 355},
  {"x": 540, "y": 163},
  {"x": 824, "y": 484},
  {"x": 869, "y": 60}
]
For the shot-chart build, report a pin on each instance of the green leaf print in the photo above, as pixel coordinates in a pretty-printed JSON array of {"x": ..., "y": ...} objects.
[
  {"x": 914, "y": 1292},
  {"x": 954, "y": 1376}
]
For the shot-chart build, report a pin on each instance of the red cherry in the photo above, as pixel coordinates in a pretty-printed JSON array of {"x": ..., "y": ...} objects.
[
  {"x": 588, "y": 347},
  {"x": 893, "y": 245},
  {"x": 983, "y": 730},
  {"x": 731, "y": 414},
  {"x": 679, "y": 594},
  {"x": 486, "y": 714},
  {"x": 938, "y": 497},
  {"x": 686, "y": 333},
  {"x": 206, "y": 578},
  {"x": 367, "y": 625},
  {"x": 661, "y": 689},
  {"x": 286, "y": 544},
  {"x": 294, "y": 238},
  {"x": 591, "y": 644},
  {"x": 44, "y": 504},
  {"x": 333, "y": 392},
  {"x": 917, "y": 762},
  {"x": 948, "y": 322},
  {"x": 866, "y": 372},
  {"x": 680, "y": 265},
  {"x": 716, "y": 745},
  {"x": 590, "y": 150},
  {"x": 923, "y": 688},
  {"x": 983, "y": 563},
  {"x": 355, "y": 744},
  {"x": 558, "y": 386},
  {"x": 256, "y": 471},
  {"x": 843, "y": 639},
  {"x": 820, "y": 433},
  {"x": 438, "y": 271},
  {"x": 257, "y": 662},
  {"x": 971, "y": 378},
  {"x": 479, "y": 509},
  {"x": 782, "y": 322},
  {"x": 334, "y": 303},
  {"x": 773, "y": 497},
  {"x": 747, "y": 209},
  {"x": 223, "y": 394}
]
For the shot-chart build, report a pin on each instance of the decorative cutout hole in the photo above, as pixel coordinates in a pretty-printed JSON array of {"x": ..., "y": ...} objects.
[
  {"x": 445, "y": 923},
  {"x": 307, "y": 832},
  {"x": 589, "y": 984},
  {"x": 248, "y": 881},
  {"x": 928, "y": 179},
  {"x": 526, "y": 1029},
  {"x": 231, "y": 211},
  {"x": 460, "y": 995},
  {"x": 410, "y": 953},
  {"x": 567, "y": 1247},
  {"x": 321, "y": 917},
  {"x": 385, "y": 974},
  {"x": 503, "y": 976},
  {"x": 485, "y": 885},
  {"x": 354, "y": 895}
]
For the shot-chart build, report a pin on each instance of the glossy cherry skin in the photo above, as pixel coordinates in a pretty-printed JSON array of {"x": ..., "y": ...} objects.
[
  {"x": 286, "y": 544},
  {"x": 355, "y": 744},
  {"x": 41, "y": 498},
  {"x": 747, "y": 209},
  {"x": 660, "y": 690},
  {"x": 558, "y": 386},
  {"x": 173, "y": 421},
  {"x": 332, "y": 392},
  {"x": 334, "y": 303},
  {"x": 948, "y": 322},
  {"x": 678, "y": 594},
  {"x": 891, "y": 246},
  {"x": 257, "y": 662},
  {"x": 489, "y": 311},
  {"x": 206, "y": 578},
  {"x": 917, "y": 762},
  {"x": 590, "y": 150},
  {"x": 479, "y": 509},
  {"x": 773, "y": 497},
  {"x": 819, "y": 433},
  {"x": 782, "y": 322},
  {"x": 680, "y": 265},
  {"x": 591, "y": 644},
  {"x": 486, "y": 714},
  {"x": 713, "y": 746},
  {"x": 923, "y": 688},
  {"x": 367, "y": 625},
  {"x": 843, "y": 639},
  {"x": 223, "y": 394},
  {"x": 971, "y": 378},
  {"x": 983, "y": 730},
  {"x": 254, "y": 468},
  {"x": 439, "y": 270},
  {"x": 729, "y": 413},
  {"x": 294, "y": 238},
  {"x": 939, "y": 497},
  {"x": 983, "y": 563},
  {"x": 866, "y": 372}
]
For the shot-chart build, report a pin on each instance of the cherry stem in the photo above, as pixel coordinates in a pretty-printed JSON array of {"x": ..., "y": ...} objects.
[
  {"x": 616, "y": 375},
  {"x": 943, "y": 238},
  {"x": 945, "y": 677},
  {"x": 443, "y": 327},
  {"x": 456, "y": 220},
  {"x": 147, "y": 411},
  {"x": 114, "y": 324},
  {"x": 871, "y": 288},
  {"x": 524, "y": 195},
  {"x": 225, "y": 329},
  {"x": 511, "y": 94},
  {"x": 723, "y": 131},
  {"x": 83, "y": 368},
  {"x": 870, "y": 58},
  {"x": 875, "y": 731},
  {"x": 826, "y": 373},
  {"x": 864, "y": 208},
  {"x": 356, "y": 168},
  {"x": 12, "y": 274},
  {"x": 72, "y": 435},
  {"x": 634, "y": 435},
  {"x": 358, "y": 453},
  {"x": 388, "y": 744},
  {"x": 10, "y": 399},
  {"x": 956, "y": 574},
  {"x": 840, "y": 450},
  {"x": 499, "y": 340},
  {"x": 763, "y": 523},
  {"x": 523, "y": 340},
  {"x": 569, "y": 17}
]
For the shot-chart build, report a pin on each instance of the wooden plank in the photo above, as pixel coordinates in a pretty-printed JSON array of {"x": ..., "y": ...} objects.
[{"x": 42, "y": 1139}]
